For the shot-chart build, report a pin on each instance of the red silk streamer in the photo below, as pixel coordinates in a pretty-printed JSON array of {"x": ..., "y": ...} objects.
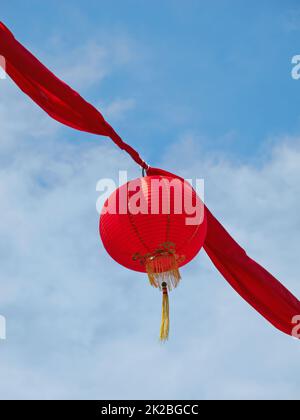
[
  {"x": 251, "y": 281},
  {"x": 55, "y": 97},
  {"x": 258, "y": 287}
]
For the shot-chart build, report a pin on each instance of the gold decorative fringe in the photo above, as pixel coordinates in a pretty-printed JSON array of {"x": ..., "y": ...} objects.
[
  {"x": 165, "y": 317},
  {"x": 163, "y": 269}
]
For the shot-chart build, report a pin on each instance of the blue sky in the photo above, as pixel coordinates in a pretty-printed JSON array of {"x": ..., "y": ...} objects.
[
  {"x": 203, "y": 89},
  {"x": 217, "y": 68}
]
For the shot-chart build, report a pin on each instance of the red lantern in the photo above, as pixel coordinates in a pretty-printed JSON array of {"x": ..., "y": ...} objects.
[{"x": 154, "y": 225}]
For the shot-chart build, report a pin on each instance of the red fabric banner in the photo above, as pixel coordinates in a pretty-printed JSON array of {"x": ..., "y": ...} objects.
[
  {"x": 251, "y": 281},
  {"x": 54, "y": 96},
  {"x": 258, "y": 287}
]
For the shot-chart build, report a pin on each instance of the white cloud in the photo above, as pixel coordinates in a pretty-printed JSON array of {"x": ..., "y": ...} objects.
[
  {"x": 117, "y": 109},
  {"x": 90, "y": 63},
  {"x": 80, "y": 326},
  {"x": 86, "y": 66}
]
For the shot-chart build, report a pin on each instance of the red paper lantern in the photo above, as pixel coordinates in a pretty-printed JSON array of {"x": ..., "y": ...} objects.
[{"x": 154, "y": 225}]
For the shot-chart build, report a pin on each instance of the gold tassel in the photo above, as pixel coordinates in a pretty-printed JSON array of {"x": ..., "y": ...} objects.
[
  {"x": 165, "y": 317},
  {"x": 163, "y": 273},
  {"x": 162, "y": 267}
]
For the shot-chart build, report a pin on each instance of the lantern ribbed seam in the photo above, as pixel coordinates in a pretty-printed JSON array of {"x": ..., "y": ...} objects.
[
  {"x": 189, "y": 239},
  {"x": 135, "y": 228}
]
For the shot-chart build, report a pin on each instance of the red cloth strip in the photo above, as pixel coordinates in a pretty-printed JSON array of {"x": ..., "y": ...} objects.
[
  {"x": 251, "y": 281},
  {"x": 54, "y": 96}
]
